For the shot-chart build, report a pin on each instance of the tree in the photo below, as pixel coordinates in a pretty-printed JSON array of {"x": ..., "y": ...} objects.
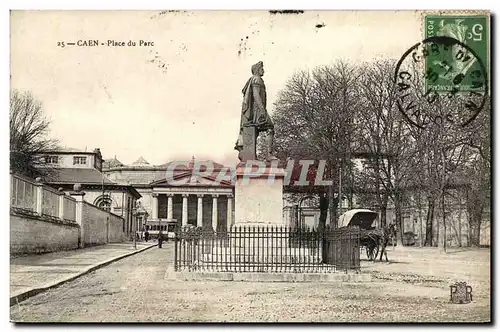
[
  {"x": 383, "y": 136},
  {"x": 477, "y": 171},
  {"x": 314, "y": 119},
  {"x": 29, "y": 129},
  {"x": 340, "y": 112},
  {"x": 440, "y": 136}
]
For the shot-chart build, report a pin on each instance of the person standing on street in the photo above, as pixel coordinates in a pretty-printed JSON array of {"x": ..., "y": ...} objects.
[{"x": 160, "y": 239}]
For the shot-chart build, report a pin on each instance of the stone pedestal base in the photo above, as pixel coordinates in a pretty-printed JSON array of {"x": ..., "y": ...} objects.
[{"x": 258, "y": 199}]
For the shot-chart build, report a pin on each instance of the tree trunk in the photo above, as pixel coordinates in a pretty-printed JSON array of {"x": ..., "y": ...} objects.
[
  {"x": 475, "y": 232},
  {"x": 399, "y": 219},
  {"x": 459, "y": 221},
  {"x": 324, "y": 203},
  {"x": 475, "y": 224},
  {"x": 335, "y": 216},
  {"x": 383, "y": 210},
  {"x": 331, "y": 209},
  {"x": 323, "y": 210},
  {"x": 383, "y": 216},
  {"x": 428, "y": 223}
]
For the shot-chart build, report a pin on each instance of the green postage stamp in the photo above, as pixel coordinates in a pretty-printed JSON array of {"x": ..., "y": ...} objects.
[{"x": 459, "y": 67}]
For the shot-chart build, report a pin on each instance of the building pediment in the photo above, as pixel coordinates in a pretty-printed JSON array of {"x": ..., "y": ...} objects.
[{"x": 191, "y": 178}]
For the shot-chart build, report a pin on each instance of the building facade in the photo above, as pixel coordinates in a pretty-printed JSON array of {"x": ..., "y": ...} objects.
[
  {"x": 65, "y": 168},
  {"x": 179, "y": 191}
]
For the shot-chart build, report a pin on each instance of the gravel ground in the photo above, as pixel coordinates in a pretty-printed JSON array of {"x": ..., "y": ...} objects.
[{"x": 414, "y": 286}]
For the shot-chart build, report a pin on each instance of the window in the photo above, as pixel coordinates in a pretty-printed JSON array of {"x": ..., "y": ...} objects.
[
  {"x": 103, "y": 202},
  {"x": 79, "y": 160},
  {"x": 105, "y": 205},
  {"x": 51, "y": 159}
]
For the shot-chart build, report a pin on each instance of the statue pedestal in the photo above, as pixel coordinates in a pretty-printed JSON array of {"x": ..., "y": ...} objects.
[
  {"x": 249, "y": 140},
  {"x": 258, "y": 200},
  {"x": 259, "y": 240}
]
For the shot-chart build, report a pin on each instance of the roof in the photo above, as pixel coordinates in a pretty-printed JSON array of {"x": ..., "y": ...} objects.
[
  {"x": 85, "y": 176},
  {"x": 77, "y": 175},
  {"x": 174, "y": 167},
  {"x": 69, "y": 150},
  {"x": 112, "y": 163},
  {"x": 363, "y": 218},
  {"x": 140, "y": 162},
  {"x": 185, "y": 164},
  {"x": 193, "y": 178}
]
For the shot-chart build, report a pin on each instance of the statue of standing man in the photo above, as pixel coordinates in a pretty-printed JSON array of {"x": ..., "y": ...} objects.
[{"x": 254, "y": 117}]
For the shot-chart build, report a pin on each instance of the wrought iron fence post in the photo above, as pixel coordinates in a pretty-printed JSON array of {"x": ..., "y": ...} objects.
[{"x": 176, "y": 241}]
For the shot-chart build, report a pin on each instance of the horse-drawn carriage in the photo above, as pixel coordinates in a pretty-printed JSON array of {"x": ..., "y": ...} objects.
[{"x": 373, "y": 239}]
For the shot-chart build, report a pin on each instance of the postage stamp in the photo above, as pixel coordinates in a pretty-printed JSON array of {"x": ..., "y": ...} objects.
[
  {"x": 455, "y": 67},
  {"x": 444, "y": 77}
]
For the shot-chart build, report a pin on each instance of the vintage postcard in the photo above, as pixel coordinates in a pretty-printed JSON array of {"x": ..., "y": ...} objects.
[{"x": 250, "y": 166}]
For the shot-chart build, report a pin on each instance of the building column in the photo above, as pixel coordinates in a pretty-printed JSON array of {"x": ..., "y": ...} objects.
[
  {"x": 214, "y": 212},
  {"x": 170, "y": 206},
  {"x": 154, "y": 208},
  {"x": 199, "y": 216},
  {"x": 39, "y": 196},
  {"x": 78, "y": 194},
  {"x": 184, "y": 209},
  {"x": 61, "y": 204},
  {"x": 229, "y": 212}
]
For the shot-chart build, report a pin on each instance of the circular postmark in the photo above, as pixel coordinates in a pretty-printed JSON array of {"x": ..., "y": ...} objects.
[{"x": 440, "y": 80}]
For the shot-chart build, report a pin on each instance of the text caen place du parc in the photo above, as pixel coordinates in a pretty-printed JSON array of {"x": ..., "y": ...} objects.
[{"x": 106, "y": 43}]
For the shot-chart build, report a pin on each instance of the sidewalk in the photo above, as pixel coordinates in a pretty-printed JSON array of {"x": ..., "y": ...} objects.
[{"x": 33, "y": 274}]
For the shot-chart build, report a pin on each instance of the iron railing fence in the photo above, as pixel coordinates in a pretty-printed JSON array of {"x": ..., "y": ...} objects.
[
  {"x": 267, "y": 249},
  {"x": 69, "y": 209},
  {"x": 26, "y": 194},
  {"x": 50, "y": 205},
  {"x": 23, "y": 194}
]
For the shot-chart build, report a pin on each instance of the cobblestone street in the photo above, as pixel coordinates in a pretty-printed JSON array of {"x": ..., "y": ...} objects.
[{"x": 134, "y": 290}]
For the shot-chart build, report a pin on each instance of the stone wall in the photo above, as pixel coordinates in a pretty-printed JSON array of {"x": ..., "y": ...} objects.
[
  {"x": 118, "y": 199},
  {"x": 32, "y": 234},
  {"x": 45, "y": 220},
  {"x": 116, "y": 229},
  {"x": 100, "y": 226}
]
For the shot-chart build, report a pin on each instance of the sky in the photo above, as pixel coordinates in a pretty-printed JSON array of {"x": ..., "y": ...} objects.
[{"x": 181, "y": 97}]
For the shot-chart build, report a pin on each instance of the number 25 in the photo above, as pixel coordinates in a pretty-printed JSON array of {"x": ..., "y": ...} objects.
[{"x": 477, "y": 30}]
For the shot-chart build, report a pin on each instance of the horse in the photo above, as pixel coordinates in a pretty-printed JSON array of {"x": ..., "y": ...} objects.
[
  {"x": 387, "y": 232},
  {"x": 370, "y": 240},
  {"x": 377, "y": 239}
]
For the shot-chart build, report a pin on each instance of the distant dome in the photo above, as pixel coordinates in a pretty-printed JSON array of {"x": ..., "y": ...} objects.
[{"x": 140, "y": 162}]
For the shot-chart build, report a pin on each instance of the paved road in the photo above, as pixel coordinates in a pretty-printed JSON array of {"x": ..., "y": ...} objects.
[{"x": 134, "y": 290}]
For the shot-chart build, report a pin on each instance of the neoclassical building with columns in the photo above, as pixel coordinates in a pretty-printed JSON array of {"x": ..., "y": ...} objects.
[{"x": 184, "y": 193}]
